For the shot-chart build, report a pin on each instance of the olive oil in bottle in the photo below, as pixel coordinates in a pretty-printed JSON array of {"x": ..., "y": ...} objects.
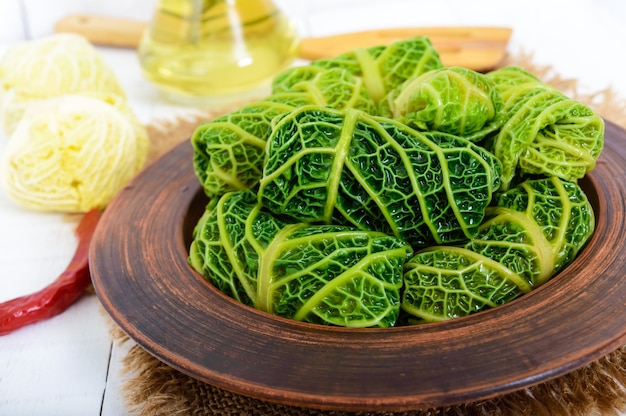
[{"x": 207, "y": 48}]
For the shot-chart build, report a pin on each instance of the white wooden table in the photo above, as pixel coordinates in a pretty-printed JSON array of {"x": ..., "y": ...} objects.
[{"x": 68, "y": 365}]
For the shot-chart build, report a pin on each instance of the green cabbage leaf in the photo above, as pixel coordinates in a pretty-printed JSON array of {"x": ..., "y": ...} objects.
[
  {"x": 507, "y": 79},
  {"x": 533, "y": 232},
  {"x": 453, "y": 100},
  {"x": 373, "y": 173},
  {"x": 385, "y": 68},
  {"x": 324, "y": 274},
  {"x": 543, "y": 132}
]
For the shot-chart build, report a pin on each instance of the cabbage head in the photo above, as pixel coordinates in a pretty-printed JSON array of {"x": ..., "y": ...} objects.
[
  {"x": 544, "y": 132},
  {"x": 50, "y": 67},
  {"x": 453, "y": 100},
  {"x": 73, "y": 153},
  {"x": 373, "y": 173},
  {"x": 323, "y": 274},
  {"x": 229, "y": 150},
  {"x": 533, "y": 232}
]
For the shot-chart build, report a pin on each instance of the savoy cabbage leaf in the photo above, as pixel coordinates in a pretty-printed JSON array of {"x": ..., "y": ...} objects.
[
  {"x": 385, "y": 68},
  {"x": 346, "y": 167},
  {"x": 323, "y": 274},
  {"x": 544, "y": 132},
  {"x": 533, "y": 232},
  {"x": 453, "y": 100}
]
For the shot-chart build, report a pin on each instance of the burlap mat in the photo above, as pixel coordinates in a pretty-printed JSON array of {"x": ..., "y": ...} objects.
[{"x": 152, "y": 388}]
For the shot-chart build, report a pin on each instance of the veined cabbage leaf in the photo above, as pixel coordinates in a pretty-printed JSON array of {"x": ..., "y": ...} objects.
[
  {"x": 229, "y": 150},
  {"x": 533, "y": 232},
  {"x": 507, "y": 78},
  {"x": 560, "y": 209},
  {"x": 543, "y": 131},
  {"x": 334, "y": 87},
  {"x": 384, "y": 68},
  {"x": 453, "y": 100},
  {"x": 323, "y": 274},
  {"x": 347, "y": 167}
]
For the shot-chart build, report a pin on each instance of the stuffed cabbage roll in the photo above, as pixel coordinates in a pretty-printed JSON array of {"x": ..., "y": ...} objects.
[
  {"x": 321, "y": 274},
  {"x": 535, "y": 230},
  {"x": 374, "y": 173},
  {"x": 543, "y": 131},
  {"x": 384, "y": 68},
  {"x": 452, "y": 100}
]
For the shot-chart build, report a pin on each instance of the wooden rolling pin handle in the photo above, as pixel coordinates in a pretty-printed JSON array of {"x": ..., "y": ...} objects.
[{"x": 103, "y": 30}]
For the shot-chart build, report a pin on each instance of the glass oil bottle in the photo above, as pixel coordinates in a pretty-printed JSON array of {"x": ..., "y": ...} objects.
[{"x": 206, "y": 48}]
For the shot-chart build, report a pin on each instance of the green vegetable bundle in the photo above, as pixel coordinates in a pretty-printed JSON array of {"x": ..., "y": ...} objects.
[
  {"x": 380, "y": 188},
  {"x": 452, "y": 100},
  {"x": 531, "y": 233},
  {"x": 325, "y": 274},
  {"x": 543, "y": 132},
  {"x": 349, "y": 168},
  {"x": 385, "y": 68}
]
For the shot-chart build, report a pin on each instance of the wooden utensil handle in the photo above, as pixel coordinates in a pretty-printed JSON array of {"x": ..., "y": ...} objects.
[
  {"x": 444, "y": 38},
  {"x": 102, "y": 30}
]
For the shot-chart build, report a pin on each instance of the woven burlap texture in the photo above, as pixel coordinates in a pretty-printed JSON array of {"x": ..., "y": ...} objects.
[{"x": 152, "y": 388}]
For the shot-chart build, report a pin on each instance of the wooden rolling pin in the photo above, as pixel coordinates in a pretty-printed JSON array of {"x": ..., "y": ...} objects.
[{"x": 478, "y": 48}]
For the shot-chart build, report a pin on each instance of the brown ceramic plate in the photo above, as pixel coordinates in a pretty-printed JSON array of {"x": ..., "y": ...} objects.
[{"x": 140, "y": 273}]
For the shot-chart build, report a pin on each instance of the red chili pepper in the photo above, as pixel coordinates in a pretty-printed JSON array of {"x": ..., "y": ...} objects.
[{"x": 60, "y": 294}]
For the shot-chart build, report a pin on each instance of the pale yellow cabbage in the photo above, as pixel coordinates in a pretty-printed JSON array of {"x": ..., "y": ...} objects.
[
  {"x": 72, "y": 154},
  {"x": 49, "y": 67}
]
